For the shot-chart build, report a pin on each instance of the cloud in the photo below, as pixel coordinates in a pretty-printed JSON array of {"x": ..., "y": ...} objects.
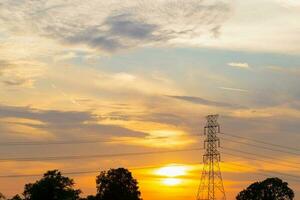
[
  {"x": 245, "y": 31},
  {"x": 288, "y": 110},
  {"x": 20, "y": 72},
  {"x": 239, "y": 65},
  {"x": 93, "y": 37},
  {"x": 290, "y": 3},
  {"x": 157, "y": 117},
  {"x": 199, "y": 100},
  {"x": 62, "y": 123},
  {"x": 123, "y": 25},
  {"x": 4, "y": 64},
  {"x": 47, "y": 116},
  {"x": 123, "y": 76},
  {"x": 233, "y": 89},
  {"x": 111, "y": 25},
  {"x": 286, "y": 70},
  {"x": 126, "y": 83},
  {"x": 19, "y": 82},
  {"x": 114, "y": 25}
]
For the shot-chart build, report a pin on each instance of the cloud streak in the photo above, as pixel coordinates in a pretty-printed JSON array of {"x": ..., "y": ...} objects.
[
  {"x": 63, "y": 124},
  {"x": 241, "y": 65},
  {"x": 233, "y": 89},
  {"x": 199, "y": 100}
]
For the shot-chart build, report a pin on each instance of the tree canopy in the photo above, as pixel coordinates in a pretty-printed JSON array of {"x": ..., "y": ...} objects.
[
  {"x": 117, "y": 184},
  {"x": 53, "y": 186},
  {"x": 90, "y": 197},
  {"x": 2, "y": 196},
  {"x": 16, "y": 197},
  {"x": 269, "y": 189}
]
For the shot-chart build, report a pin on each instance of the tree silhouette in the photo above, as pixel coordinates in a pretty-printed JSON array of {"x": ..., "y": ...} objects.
[
  {"x": 16, "y": 197},
  {"x": 117, "y": 184},
  {"x": 90, "y": 197},
  {"x": 53, "y": 186},
  {"x": 269, "y": 189},
  {"x": 2, "y": 196}
]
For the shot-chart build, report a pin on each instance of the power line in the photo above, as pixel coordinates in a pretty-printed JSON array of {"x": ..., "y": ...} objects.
[
  {"x": 262, "y": 172},
  {"x": 256, "y": 155},
  {"x": 97, "y": 140},
  {"x": 105, "y": 140},
  {"x": 261, "y": 142},
  {"x": 256, "y": 141},
  {"x": 122, "y": 154},
  {"x": 267, "y": 173},
  {"x": 296, "y": 177},
  {"x": 63, "y": 142},
  {"x": 75, "y": 157},
  {"x": 251, "y": 158},
  {"x": 262, "y": 147},
  {"x": 107, "y": 155},
  {"x": 94, "y": 171}
]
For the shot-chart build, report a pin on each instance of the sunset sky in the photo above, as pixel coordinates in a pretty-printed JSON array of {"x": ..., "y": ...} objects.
[{"x": 140, "y": 76}]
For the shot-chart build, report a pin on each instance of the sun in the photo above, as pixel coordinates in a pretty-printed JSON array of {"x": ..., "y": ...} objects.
[
  {"x": 171, "y": 174},
  {"x": 171, "y": 181},
  {"x": 172, "y": 171}
]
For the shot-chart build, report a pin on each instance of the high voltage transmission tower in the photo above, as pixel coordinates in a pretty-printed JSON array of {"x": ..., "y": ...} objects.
[{"x": 211, "y": 184}]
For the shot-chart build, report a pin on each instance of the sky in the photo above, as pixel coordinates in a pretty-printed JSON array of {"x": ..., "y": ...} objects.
[{"x": 141, "y": 76}]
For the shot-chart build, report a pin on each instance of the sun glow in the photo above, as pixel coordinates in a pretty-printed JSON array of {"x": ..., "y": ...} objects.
[
  {"x": 171, "y": 181},
  {"x": 172, "y": 171},
  {"x": 171, "y": 174}
]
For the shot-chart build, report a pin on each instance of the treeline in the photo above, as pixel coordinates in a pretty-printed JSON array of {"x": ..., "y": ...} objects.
[
  {"x": 118, "y": 184},
  {"x": 114, "y": 184}
]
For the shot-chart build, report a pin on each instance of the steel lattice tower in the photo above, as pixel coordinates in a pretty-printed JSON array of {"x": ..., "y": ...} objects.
[{"x": 211, "y": 185}]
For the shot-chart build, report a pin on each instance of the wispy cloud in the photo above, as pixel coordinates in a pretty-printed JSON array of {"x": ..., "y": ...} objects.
[
  {"x": 242, "y": 65},
  {"x": 233, "y": 89},
  {"x": 287, "y": 70},
  {"x": 199, "y": 100},
  {"x": 20, "y": 72}
]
